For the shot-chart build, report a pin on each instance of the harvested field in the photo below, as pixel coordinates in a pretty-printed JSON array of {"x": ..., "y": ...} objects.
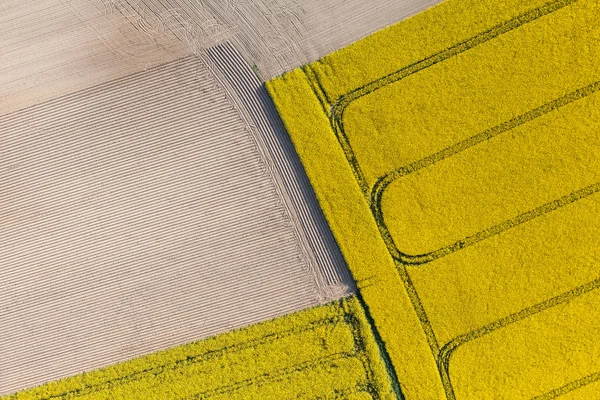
[
  {"x": 256, "y": 108},
  {"x": 145, "y": 213},
  {"x": 274, "y": 35},
  {"x": 55, "y": 47},
  {"x": 461, "y": 179}
]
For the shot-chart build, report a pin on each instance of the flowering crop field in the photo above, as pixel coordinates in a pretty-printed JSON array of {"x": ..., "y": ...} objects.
[
  {"x": 327, "y": 352},
  {"x": 456, "y": 158}
]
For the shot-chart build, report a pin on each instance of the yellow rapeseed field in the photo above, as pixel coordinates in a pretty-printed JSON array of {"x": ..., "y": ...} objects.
[
  {"x": 456, "y": 156},
  {"x": 327, "y": 352}
]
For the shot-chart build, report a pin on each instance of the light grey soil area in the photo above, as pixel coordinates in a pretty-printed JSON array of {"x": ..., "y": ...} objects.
[
  {"x": 275, "y": 35},
  {"x": 55, "y": 47},
  {"x": 138, "y": 215},
  {"x": 149, "y": 195}
]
